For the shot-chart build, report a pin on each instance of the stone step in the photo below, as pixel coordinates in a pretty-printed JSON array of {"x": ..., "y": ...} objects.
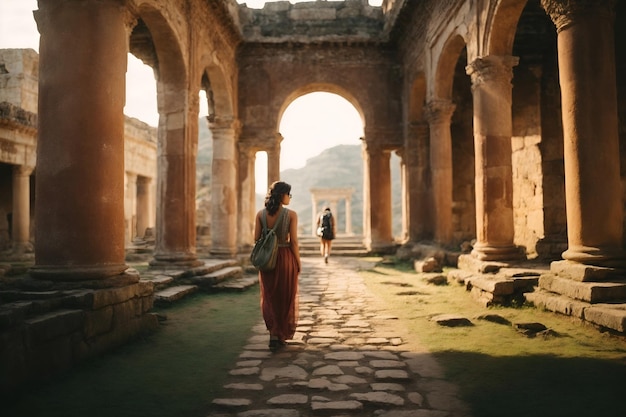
[
  {"x": 173, "y": 294},
  {"x": 610, "y": 316},
  {"x": 591, "y": 292},
  {"x": 208, "y": 281},
  {"x": 238, "y": 284}
]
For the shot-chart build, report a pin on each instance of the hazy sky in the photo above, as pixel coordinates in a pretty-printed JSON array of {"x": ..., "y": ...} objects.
[{"x": 310, "y": 124}]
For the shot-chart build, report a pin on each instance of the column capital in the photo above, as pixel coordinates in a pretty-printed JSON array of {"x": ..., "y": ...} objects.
[
  {"x": 565, "y": 12},
  {"x": 219, "y": 123},
  {"x": 492, "y": 68},
  {"x": 23, "y": 170},
  {"x": 439, "y": 111}
]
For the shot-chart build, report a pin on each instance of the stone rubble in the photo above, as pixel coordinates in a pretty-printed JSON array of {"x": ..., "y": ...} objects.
[{"x": 343, "y": 360}]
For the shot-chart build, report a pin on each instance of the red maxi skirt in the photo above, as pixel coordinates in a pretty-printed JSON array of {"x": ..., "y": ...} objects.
[{"x": 279, "y": 295}]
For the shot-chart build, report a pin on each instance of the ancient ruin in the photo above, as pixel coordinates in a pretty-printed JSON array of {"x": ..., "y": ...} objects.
[{"x": 507, "y": 115}]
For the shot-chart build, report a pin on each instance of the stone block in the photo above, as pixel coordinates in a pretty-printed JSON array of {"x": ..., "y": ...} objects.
[
  {"x": 591, "y": 292},
  {"x": 493, "y": 284},
  {"x": 98, "y": 321},
  {"x": 471, "y": 263},
  {"x": 110, "y": 296},
  {"x": 581, "y": 272},
  {"x": 557, "y": 303},
  {"x": 124, "y": 312},
  {"x": 607, "y": 316},
  {"x": 313, "y": 14},
  {"x": 53, "y": 325},
  {"x": 460, "y": 276}
]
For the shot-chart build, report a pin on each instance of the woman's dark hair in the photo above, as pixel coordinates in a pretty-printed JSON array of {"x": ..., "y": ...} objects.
[{"x": 275, "y": 195}]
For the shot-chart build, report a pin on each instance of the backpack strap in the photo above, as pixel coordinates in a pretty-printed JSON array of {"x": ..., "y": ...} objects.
[{"x": 278, "y": 219}]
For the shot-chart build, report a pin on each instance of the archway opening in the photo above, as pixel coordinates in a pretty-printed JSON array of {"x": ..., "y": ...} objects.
[{"x": 321, "y": 148}]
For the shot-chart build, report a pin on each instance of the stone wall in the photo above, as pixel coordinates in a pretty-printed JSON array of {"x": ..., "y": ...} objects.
[
  {"x": 350, "y": 20},
  {"x": 61, "y": 325},
  {"x": 19, "y": 77}
]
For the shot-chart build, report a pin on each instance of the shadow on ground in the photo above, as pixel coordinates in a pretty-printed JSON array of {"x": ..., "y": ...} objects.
[{"x": 538, "y": 386}]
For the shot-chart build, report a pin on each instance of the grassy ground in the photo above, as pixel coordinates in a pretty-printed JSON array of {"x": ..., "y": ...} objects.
[
  {"x": 580, "y": 371},
  {"x": 176, "y": 371}
]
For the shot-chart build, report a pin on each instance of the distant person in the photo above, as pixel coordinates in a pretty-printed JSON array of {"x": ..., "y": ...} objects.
[
  {"x": 279, "y": 287},
  {"x": 326, "y": 232}
]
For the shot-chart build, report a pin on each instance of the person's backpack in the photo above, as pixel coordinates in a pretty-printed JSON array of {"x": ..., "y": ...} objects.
[
  {"x": 263, "y": 255},
  {"x": 326, "y": 221}
]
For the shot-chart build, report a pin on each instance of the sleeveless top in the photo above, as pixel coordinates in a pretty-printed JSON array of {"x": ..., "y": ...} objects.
[{"x": 282, "y": 230}]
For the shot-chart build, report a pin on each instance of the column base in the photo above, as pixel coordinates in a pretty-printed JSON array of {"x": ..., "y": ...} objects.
[
  {"x": 175, "y": 260},
  {"x": 76, "y": 272},
  {"x": 224, "y": 252},
  {"x": 603, "y": 257},
  {"x": 485, "y": 252}
]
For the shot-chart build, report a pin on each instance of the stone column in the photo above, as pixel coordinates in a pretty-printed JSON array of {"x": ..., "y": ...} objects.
[
  {"x": 247, "y": 194},
  {"x": 349, "y": 215},
  {"x": 223, "y": 189},
  {"x": 131, "y": 205},
  {"x": 586, "y": 54},
  {"x": 79, "y": 209},
  {"x": 175, "y": 244},
  {"x": 492, "y": 94},
  {"x": 416, "y": 156},
  {"x": 404, "y": 195},
  {"x": 439, "y": 114},
  {"x": 21, "y": 210},
  {"x": 273, "y": 162},
  {"x": 144, "y": 203},
  {"x": 314, "y": 215},
  {"x": 379, "y": 197},
  {"x": 367, "y": 228}
]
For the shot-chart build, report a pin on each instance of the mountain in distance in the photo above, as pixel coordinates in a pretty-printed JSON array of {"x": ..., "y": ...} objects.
[{"x": 338, "y": 167}]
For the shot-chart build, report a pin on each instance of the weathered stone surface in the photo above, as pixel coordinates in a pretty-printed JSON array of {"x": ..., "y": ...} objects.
[
  {"x": 232, "y": 402},
  {"x": 287, "y": 399},
  {"x": 244, "y": 387},
  {"x": 607, "y": 315},
  {"x": 451, "y": 320},
  {"x": 391, "y": 375},
  {"x": 246, "y": 371},
  {"x": 287, "y": 372},
  {"x": 328, "y": 370},
  {"x": 344, "y": 356},
  {"x": 378, "y": 364},
  {"x": 336, "y": 406},
  {"x": 379, "y": 398}
]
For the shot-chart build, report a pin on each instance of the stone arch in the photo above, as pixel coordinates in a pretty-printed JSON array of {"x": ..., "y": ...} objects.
[
  {"x": 500, "y": 34},
  {"x": 218, "y": 92},
  {"x": 168, "y": 61},
  {"x": 315, "y": 88},
  {"x": 177, "y": 137},
  {"x": 445, "y": 67}
]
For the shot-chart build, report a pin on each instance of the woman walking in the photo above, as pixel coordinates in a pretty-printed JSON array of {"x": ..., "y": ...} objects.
[
  {"x": 326, "y": 232},
  {"x": 279, "y": 287}
]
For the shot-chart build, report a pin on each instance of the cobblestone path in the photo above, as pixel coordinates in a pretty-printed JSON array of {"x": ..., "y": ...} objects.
[{"x": 346, "y": 359}]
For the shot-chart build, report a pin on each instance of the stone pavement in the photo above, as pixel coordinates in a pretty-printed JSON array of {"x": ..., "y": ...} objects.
[{"x": 347, "y": 358}]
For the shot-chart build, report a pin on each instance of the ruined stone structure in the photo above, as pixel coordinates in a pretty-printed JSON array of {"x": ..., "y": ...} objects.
[
  {"x": 508, "y": 116},
  {"x": 18, "y": 131},
  {"x": 331, "y": 197}
]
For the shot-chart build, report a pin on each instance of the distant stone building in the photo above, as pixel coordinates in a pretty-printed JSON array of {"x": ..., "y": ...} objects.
[
  {"x": 18, "y": 146},
  {"x": 508, "y": 117}
]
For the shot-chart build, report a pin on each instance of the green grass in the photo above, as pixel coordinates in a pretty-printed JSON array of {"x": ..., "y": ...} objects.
[
  {"x": 175, "y": 371},
  {"x": 178, "y": 370},
  {"x": 500, "y": 372}
]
